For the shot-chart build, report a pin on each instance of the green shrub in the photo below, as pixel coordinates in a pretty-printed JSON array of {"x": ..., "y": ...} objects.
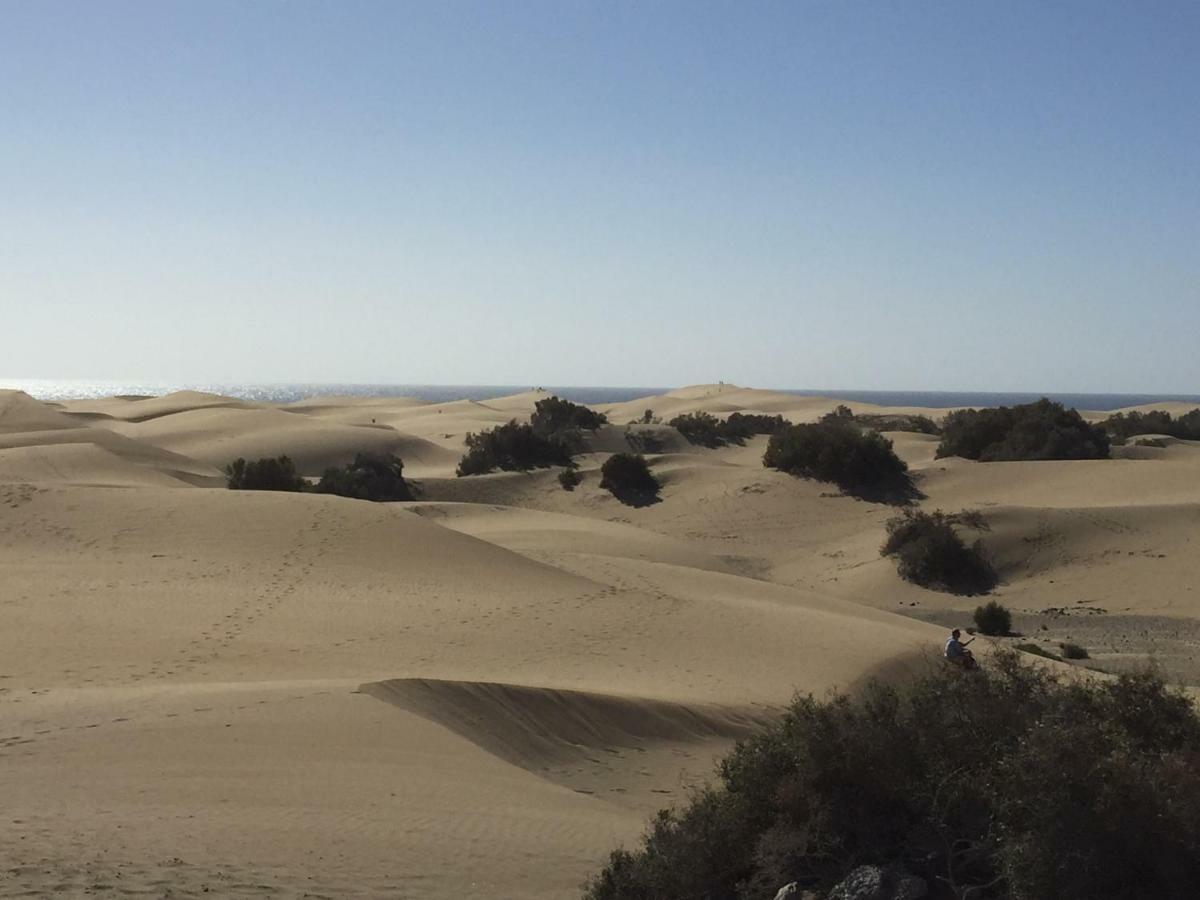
[
  {"x": 700, "y": 428},
  {"x": 643, "y": 441},
  {"x": 930, "y": 553},
  {"x": 278, "y": 474},
  {"x": 993, "y": 619},
  {"x": 512, "y": 447},
  {"x": 553, "y": 416},
  {"x": 707, "y": 430},
  {"x": 629, "y": 479},
  {"x": 1041, "y": 430},
  {"x": 369, "y": 477},
  {"x": 860, "y": 463},
  {"x": 569, "y": 479},
  {"x": 1073, "y": 651},
  {"x": 917, "y": 424},
  {"x": 1156, "y": 421},
  {"x": 1003, "y": 783}
]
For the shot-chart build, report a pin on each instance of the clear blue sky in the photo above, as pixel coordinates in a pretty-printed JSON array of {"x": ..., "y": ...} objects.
[{"x": 904, "y": 195}]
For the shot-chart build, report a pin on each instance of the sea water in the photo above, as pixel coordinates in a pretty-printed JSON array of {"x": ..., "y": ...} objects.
[{"x": 75, "y": 389}]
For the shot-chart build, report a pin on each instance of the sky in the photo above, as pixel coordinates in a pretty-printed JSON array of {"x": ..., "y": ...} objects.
[{"x": 864, "y": 195}]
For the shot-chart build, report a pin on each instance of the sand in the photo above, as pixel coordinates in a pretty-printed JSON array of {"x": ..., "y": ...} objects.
[{"x": 482, "y": 692}]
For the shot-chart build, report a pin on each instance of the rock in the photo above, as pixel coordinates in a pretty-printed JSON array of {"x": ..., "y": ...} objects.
[
  {"x": 789, "y": 892},
  {"x": 877, "y": 883}
]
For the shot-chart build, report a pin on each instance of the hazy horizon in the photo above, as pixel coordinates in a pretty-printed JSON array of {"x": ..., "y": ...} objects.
[{"x": 848, "y": 196}]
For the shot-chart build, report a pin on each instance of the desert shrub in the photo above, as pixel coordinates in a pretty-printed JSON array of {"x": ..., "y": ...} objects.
[
  {"x": 1073, "y": 651},
  {"x": 643, "y": 441},
  {"x": 707, "y": 430},
  {"x": 629, "y": 479},
  {"x": 700, "y": 428},
  {"x": 369, "y": 477},
  {"x": 1005, "y": 783},
  {"x": 739, "y": 426},
  {"x": 1036, "y": 650},
  {"x": 1156, "y": 421},
  {"x": 843, "y": 415},
  {"x": 1041, "y": 430},
  {"x": 861, "y": 463},
  {"x": 1150, "y": 442},
  {"x": 267, "y": 474},
  {"x": 992, "y": 618},
  {"x": 512, "y": 447},
  {"x": 930, "y": 553},
  {"x": 569, "y": 479},
  {"x": 553, "y": 416}
]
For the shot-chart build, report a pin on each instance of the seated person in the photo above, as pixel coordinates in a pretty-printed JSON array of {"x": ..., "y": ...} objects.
[{"x": 956, "y": 651}]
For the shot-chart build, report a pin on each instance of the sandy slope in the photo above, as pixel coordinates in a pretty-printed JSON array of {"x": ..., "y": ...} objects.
[{"x": 480, "y": 693}]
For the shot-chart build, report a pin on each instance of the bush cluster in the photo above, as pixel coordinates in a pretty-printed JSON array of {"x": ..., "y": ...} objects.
[
  {"x": 554, "y": 416},
  {"x": 918, "y": 424},
  {"x": 569, "y": 479},
  {"x": 1041, "y": 430},
  {"x": 993, "y": 619},
  {"x": 267, "y": 474},
  {"x": 512, "y": 447},
  {"x": 861, "y": 463},
  {"x": 369, "y": 477},
  {"x": 707, "y": 430},
  {"x": 1004, "y": 783},
  {"x": 629, "y": 479},
  {"x": 929, "y": 552},
  {"x": 1157, "y": 421},
  {"x": 643, "y": 441}
]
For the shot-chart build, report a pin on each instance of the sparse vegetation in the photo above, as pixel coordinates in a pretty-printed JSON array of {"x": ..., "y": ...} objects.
[
  {"x": 860, "y": 463},
  {"x": 1156, "y": 421},
  {"x": 629, "y": 479},
  {"x": 1004, "y": 783},
  {"x": 267, "y": 474},
  {"x": 929, "y": 552},
  {"x": 512, "y": 447},
  {"x": 369, "y": 477},
  {"x": 707, "y": 430},
  {"x": 554, "y": 416},
  {"x": 918, "y": 424},
  {"x": 569, "y": 479},
  {"x": 1035, "y": 431},
  {"x": 993, "y": 619},
  {"x": 1074, "y": 651},
  {"x": 643, "y": 441},
  {"x": 1037, "y": 650},
  {"x": 1150, "y": 442}
]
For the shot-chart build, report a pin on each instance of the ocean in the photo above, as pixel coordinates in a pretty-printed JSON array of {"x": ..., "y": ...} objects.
[{"x": 74, "y": 389}]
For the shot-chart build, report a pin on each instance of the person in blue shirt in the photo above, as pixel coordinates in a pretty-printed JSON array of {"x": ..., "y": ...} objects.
[{"x": 956, "y": 651}]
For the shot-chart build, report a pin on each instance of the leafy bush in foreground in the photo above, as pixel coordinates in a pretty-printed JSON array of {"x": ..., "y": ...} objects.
[
  {"x": 1041, "y": 430},
  {"x": 1003, "y": 783},
  {"x": 267, "y": 474},
  {"x": 1156, "y": 421},
  {"x": 930, "y": 553},
  {"x": 512, "y": 447},
  {"x": 628, "y": 477},
  {"x": 369, "y": 477},
  {"x": 861, "y": 463},
  {"x": 992, "y": 618}
]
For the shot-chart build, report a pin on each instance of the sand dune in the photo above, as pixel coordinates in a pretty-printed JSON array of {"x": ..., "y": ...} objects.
[{"x": 190, "y": 697}]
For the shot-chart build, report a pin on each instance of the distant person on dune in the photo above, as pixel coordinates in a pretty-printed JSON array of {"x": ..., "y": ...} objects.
[{"x": 956, "y": 651}]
